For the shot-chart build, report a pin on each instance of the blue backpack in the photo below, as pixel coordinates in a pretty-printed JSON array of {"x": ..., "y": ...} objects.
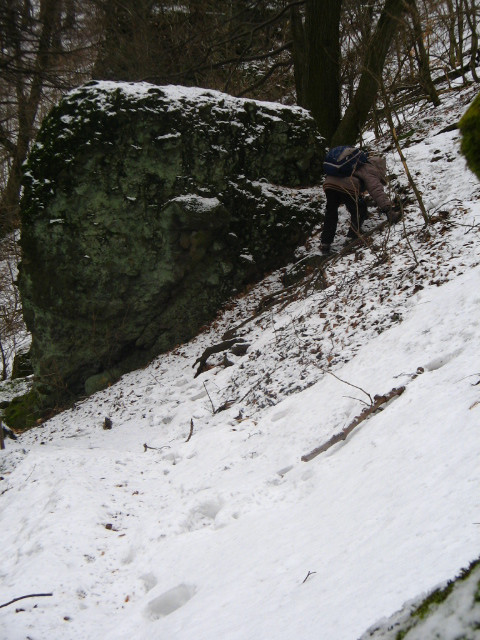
[{"x": 342, "y": 161}]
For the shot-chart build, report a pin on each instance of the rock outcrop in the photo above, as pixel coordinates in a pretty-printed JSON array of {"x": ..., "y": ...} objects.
[
  {"x": 450, "y": 612},
  {"x": 470, "y": 128},
  {"x": 144, "y": 209}
]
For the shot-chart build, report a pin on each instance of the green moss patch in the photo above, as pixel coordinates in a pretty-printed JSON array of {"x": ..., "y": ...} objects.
[
  {"x": 470, "y": 127},
  {"x": 22, "y": 412},
  {"x": 454, "y": 605},
  {"x": 144, "y": 208}
]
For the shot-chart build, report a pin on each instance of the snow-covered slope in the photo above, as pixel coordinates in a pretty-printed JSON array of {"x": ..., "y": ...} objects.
[{"x": 183, "y": 521}]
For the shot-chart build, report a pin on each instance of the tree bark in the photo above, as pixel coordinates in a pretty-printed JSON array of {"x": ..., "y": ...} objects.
[
  {"x": 422, "y": 55},
  {"x": 471, "y": 15},
  {"x": 28, "y": 101},
  {"x": 299, "y": 55},
  {"x": 377, "y": 49},
  {"x": 322, "y": 26}
]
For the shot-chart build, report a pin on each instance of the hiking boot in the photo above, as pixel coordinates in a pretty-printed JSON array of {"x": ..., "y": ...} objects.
[
  {"x": 353, "y": 234},
  {"x": 325, "y": 248}
]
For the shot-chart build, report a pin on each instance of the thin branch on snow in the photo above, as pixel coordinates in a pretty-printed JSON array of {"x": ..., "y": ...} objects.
[
  {"x": 191, "y": 430},
  {"x": 353, "y": 385},
  {"x": 310, "y": 573},
  {"x": 211, "y": 402},
  {"x": 358, "y": 400},
  {"x": 32, "y": 595},
  {"x": 165, "y": 446}
]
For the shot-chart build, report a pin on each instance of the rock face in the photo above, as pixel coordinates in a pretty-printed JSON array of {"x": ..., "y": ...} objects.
[{"x": 144, "y": 209}]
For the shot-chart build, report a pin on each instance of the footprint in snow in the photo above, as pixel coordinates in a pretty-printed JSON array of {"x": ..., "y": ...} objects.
[
  {"x": 169, "y": 601},
  {"x": 441, "y": 361},
  {"x": 279, "y": 415},
  {"x": 149, "y": 581},
  {"x": 204, "y": 514}
]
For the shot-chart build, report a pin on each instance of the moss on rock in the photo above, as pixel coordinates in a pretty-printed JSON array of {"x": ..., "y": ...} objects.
[
  {"x": 23, "y": 412},
  {"x": 455, "y": 605},
  {"x": 470, "y": 128},
  {"x": 144, "y": 208}
]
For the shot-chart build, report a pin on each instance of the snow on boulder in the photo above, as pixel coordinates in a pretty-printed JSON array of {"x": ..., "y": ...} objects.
[
  {"x": 144, "y": 209},
  {"x": 450, "y": 612},
  {"x": 470, "y": 129}
]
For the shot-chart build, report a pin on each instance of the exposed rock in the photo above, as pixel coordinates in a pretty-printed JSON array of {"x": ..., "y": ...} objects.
[
  {"x": 144, "y": 209},
  {"x": 22, "y": 365},
  {"x": 470, "y": 128},
  {"x": 451, "y": 612}
]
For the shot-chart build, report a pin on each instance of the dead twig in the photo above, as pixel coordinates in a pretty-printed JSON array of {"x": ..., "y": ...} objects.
[
  {"x": 191, "y": 430},
  {"x": 310, "y": 573},
  {"x": 393, "y": 131},
  {"x": 378, "y": 402},
  {"x": 211, "y": 402},
  {"x": 145, "y": 447},
  {"x": 354, "y": 386},
  {"x": 406, "y": 235},
  {"x": 32, "y": 595},
  {"x": 358, "y": 400}
]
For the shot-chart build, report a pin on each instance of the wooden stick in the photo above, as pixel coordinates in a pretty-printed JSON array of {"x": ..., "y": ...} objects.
[
  {"x": 378, "y": 401},
  {"x": 213, "y": 406},
  {"x": 32, "y": 595},
  {"x": 310, "y": 573},
  {"x": 191, "y": 430}
]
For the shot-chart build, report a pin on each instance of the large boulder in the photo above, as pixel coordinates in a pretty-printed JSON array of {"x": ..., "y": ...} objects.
[
  {"x": 144, "y": 209},
  {"x": 470, "y": 129},
  {"x": 450, "y": 612}
]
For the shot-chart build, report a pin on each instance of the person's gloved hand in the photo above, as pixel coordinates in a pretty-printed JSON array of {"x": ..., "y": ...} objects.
[{"x": 393, "y": 215}]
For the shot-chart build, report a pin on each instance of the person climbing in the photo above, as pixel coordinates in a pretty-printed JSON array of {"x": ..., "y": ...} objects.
[{"x": 368, "y": 175}]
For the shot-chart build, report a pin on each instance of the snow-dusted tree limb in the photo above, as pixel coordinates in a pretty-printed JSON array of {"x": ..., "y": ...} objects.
[{"x": 378, "y": 402}]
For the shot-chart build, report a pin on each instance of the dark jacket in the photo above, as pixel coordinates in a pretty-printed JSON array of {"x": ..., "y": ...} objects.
[{"x": 368, "y": 177}]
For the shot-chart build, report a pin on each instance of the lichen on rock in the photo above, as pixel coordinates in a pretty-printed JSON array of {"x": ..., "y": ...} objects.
[
  {"x": 470, "y": 127},
  {"x": 144, "y": 208},
  {"x": 450, "y": 612}
]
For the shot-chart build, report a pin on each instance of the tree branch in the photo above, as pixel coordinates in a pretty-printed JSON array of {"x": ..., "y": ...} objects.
[
  {"x": 338, "y": 437},
  {"x": 32, "y": 595}
]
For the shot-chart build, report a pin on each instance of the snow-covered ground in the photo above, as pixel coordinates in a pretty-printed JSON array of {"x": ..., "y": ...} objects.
[{"x": 184, "y": 522}]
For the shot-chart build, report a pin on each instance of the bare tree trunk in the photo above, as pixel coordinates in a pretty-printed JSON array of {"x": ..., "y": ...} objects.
[
  {"x": 299, "y": 55},
  {"x": 28, "y": 101},
  {"x": 471, "y": 15},
  {"x": 450, "y": 24},
  {"x": 377, "y": 49},
  {"x": 422, "y": 55},
  {"x": 322, "y": 23}
]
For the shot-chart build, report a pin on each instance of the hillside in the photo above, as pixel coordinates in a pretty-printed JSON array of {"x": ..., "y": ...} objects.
[{"x": 194, "y": 515}]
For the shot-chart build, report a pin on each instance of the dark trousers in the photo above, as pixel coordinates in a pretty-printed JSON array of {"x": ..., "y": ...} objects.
[{"x": 356, "y": 207}]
